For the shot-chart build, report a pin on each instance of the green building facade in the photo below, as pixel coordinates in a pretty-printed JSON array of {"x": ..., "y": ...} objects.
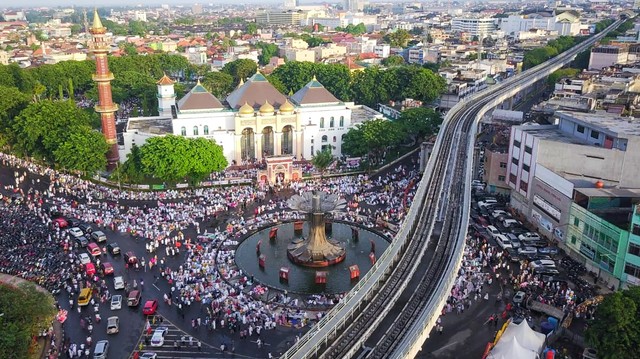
[{"x": 631, "y": 270}]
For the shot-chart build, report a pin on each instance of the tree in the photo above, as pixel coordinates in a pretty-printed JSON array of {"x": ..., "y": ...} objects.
[
  {"x": 267, "y": 51},
  {"x": 398, "y": 38},
  {"x": 12, "y": 101},
  {"x": 26, "y": 312},
  {"x": 218, "y": 83},
  {"x": 418, "y": 123},
  {"x": 322, "y": 160},
  {"x": 83, "y": 150},
  {"x": 174, "y": 158},
  {"x": 615, "y": 330},
  {"x": 393, "y": 60},
  {"x": 372, "y": 138},
  {"x": 240, "y": 69},
  {"x": 562, "y": 73},
  {"x": 251, "y": 28}
]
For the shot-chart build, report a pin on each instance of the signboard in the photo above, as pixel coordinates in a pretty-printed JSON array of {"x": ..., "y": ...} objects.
[
  {"x": 157, "y": 186},
  {"x": 182, "y": 185},
  {"x": 547, "y": 207},
  {"x": 143, "y": 186}
]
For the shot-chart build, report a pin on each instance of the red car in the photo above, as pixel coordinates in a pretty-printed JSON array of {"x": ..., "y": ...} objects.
[
  {"x": 61, "y": 222},
  {"x": 107, "y": 268},
  {"x": 150, "y": 307}
]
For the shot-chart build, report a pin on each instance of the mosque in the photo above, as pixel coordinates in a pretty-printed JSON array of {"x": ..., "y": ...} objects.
[{"x": 254, "y": 121}]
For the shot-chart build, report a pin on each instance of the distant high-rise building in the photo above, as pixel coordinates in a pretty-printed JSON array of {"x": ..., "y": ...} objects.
[
  {"x": 354, "y": 5},
  {"x": 196, "y": 9},
  {"x": 290, "y": 4}
]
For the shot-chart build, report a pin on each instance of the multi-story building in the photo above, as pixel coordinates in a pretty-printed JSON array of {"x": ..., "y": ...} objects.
[
  {"x": 495, "y": 167},
  {"x": 354, "y": 5},
  {"x": 280, "y": 17},
  {"x": 474, "y": 26},
  {"x": 608, "y": 55},
  {"x": 290, "y": 4},
  {"x": 328, "y": 51},
  {"x": 382, "y": 51},
  {"x": 292, "y": 54}
]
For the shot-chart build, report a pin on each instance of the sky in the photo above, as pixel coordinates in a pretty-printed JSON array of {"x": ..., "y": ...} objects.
[{"x": 107, "y": 3}]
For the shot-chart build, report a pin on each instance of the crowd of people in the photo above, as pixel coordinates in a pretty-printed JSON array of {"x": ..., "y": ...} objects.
[{"x": 38, "y": 250}]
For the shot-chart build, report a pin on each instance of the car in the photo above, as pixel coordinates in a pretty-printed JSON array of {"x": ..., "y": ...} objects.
[
  {"x": 98, "y": 236},
  {"x": 76, "y": 232},
  {"x": 487, "y": 203},
  {"x": 548, "y": 250},
  {"x": 130, "y": 258},
  {"x": 118, "y": 282},
  {"x": 73, "y": 222},
  {"x": 113, "y": 325},
  {"x": 107, "y": 268},
  {"x": 101, "y": 350},
  {"x": 150, "y": 307},
  {"x": 547, "y": 271},
  {"x": 157, "y": 340},
  {"x": 113, "y": 248},
  {"x": 116, "y": 302},
  {"x": 497, "y": 213},
  {"x": 61, "y": 222},
  {"x": 527, "y": 250},
  {"x": 148, "y": 355},
  {"x": 134, "y": 298},
  {"x": 86, "y": 228},
  {"x": 529, "y": 236},
  {"x": 84, "y": 258},
  {"x": 82, "y": 241},
  {"x": 493, "y": 231},
  {"x": 518, "y": 298},
  {"x": 90, "y": 269},
  {"x": 84, "y": 297},
  {"x": 503, "y": 241},
  {"x": 542, "y": 263},
  {"x": 94, "y": 249},
  {"x": 515, "y": 243},
  {"x": 510, "y": 222}
]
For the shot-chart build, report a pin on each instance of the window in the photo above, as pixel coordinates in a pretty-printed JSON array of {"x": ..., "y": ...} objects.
[
  {"x": 634, "y": 249},
  {"x": 516, "y": 143},
  {"x": 525, "y": 167},
  {"x": 501, "y": 178},
  {"x": 513, "y": 179},
  {"x": 523, "y": 185},
  {"x": 580, "y": 129},
  {"x": 312, "y": 141},
  {"x": 195, "y": 130},
  {"x": 595, "y": 134},
  {"x": 324, "y": 139},
  {"x": 576, "y": 222},
  {"x": 183, "y": 131},
  {"x": 636, "y": 229},
  {"x": 573, "y": 239},
  {"x": 311, "y": 150},
  {"x": 515, "y": 161},
  {"x": 335, "y": 138},
  {"x": 527, "y": 149},
  {"x": 341, "y": 121},
  {"x": 331, "y": 122},
  {"x": 205, "y": 130},
  {"x": 321, "y": 122},
  {"x": 503, "y": 165},
  {"x": 631, "y": 269}
]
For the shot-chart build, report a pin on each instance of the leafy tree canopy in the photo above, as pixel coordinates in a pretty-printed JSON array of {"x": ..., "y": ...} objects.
[
  {"x": 219, "y": 84},
  {"x": 418, "y": 123},
  {"x": 393, "y": 60},
  {"x": 240, "y": 69}
]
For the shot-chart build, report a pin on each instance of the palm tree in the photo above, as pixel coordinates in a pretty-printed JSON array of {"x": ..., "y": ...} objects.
[{"x": 322, "y": 160}]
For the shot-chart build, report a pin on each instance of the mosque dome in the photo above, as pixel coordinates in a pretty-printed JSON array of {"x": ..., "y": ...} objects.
[
  {"x": 287, "y": 107},
  {"x": 245, "y": 110},
  {"x": 267, "y": 109}
]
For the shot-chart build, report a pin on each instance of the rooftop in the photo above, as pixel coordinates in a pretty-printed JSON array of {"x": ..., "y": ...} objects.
[
  {"x": 618, "y": 126},
  {"x": 152, "y": 125},
  {"x": 551, "y": 133}
]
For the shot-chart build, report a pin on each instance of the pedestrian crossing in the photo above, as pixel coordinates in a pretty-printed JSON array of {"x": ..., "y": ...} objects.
[{"x": 177, "y": 344}]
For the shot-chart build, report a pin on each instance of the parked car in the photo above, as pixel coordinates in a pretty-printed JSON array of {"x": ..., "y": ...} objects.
[
  {"x": 90, "y": 269},
  {"x": 107, "y": 268},
  {"x": 497, "y": 213},
  {"x": 150, "y": 307},
  {"x": 61, "y": 222},
  {"x": 157, "y": 340},
  {"x": 148, "y": 355},
  {"x": 493, "y": 231},
  {"x": 515, "y": 243},
  {"x": 101, "y": 350},
  {"x": 113, "y": 325},
  {"x": 98, "y": 236},
  {"x": 86, "y": 228},
  {"x": 503, "y": 241},
  {"x": 130, "y": 258},
  {"x": 518, "y": 298},
  {"x": 529, "y": 236},
  {"x": 113, "y": 248},
  {"x": 542, "y": 263},
  {"x": 116, "y": 302},
  {"x": 487, "y": 203},
  {"x": 84, "y": 297},
  {"x": 76, "y": 232},
  {"x": 547, "y": 271},
  {"x": 118, "y": 282},
  {"x": 94, "y": 249},
  {"x": 548, "y": 250},
  {"x": 510, "y": 222},
  {"x": 527, "y": 250},
  {"x": 73, "y": 222},
  {"x": 134, "y": 298},
  {"x": 82, "y": 241},
  {"x": 84, "y": 258}
]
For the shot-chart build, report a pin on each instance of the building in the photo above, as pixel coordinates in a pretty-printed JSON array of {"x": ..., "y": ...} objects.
[
  {"x": 354, "y": 5},
  {"x": 480, "y": 27},
  {"x": 280, "y": 17},
  {"x": 99, "y": 46},
  {"x": 565, "y": 24},
  {"x": 607, "y": 55},
  {"x": 495, "y": 166},
  {"x": 328, "y": 51},
  {"x": 196, "y": 9},
  {"x": 254, "y": 121},
  {"x": 292, "y": 54},
  {"x": 382, "y": 51},
  {"x": 290, "y": 4}
]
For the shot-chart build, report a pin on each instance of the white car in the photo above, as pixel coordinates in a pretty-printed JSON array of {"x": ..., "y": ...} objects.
[
  {"x": 116, "y": 302},
  {"x": 113, "y": 325},
  {"x": 157, "y": 340},
  {"x": 84, "y": 258},
  {"x": 497, "y": 213},
  {"x": 76, "y": 232},
  {"x": 118, "y": 282},
  {"x": 487, "y": 203},
  {"x": 527, "y": 250},
  {"x": 542, "y": 263},
  {"x": 529, "y": 236},
  {"x": 503, "y": 241}
]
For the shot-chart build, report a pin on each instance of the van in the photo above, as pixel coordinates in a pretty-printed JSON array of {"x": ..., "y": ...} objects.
[
  {"x": 493, "y": 231},
  {"x": 510, "y": 222},
  {"x": 134, "y": 298},
  {"x": 84, "y": 297},
  {"x": 487, "y": 203},
  {"x": 98, "y": 236},
  {"x": 94, "y": 249},
  {"x": 503, "y": 241}
]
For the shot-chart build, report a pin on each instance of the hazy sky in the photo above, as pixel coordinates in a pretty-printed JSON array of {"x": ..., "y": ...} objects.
[{"x": 106, "y": 3}]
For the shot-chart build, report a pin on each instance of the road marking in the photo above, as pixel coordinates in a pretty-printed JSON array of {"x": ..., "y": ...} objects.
[
  {"x": 156, "y": 287},
  {"x": 444, "y": 347}
]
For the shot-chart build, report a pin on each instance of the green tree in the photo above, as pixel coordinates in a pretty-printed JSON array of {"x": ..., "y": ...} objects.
[
  {"x": 615, "y": 330},
  {"x": 418, "y": 123},
  {"x": 240, "y": 69},
  {"x": 12, "y": 101},
  {"x": 393, "y": 60},
  {"x": 398, "y": 38},
  {"x": 562, "y": 73},
  {"x": 83, "y": 150},
  {"x": 294, "y": 74},
  {"x": 174, "y": 158},
  {"x": 251, "y": 28},
  {"x": 322, "y": 159},
  {"x": 137, "y": 28},
  {"x": 374, "y": 137},
  {"x": 218, "y": 83},
  {"x": 267, "y": 51}
]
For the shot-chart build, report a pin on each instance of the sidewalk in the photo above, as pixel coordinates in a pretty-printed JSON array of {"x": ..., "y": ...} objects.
[{"x": 57, "y": 326}]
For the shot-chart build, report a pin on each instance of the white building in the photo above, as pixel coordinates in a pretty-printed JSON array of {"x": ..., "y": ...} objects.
[
  {"x": 566, "y": 24},
  {"x": 254, "y": 121},
  {"x": 474, "y": 26}
]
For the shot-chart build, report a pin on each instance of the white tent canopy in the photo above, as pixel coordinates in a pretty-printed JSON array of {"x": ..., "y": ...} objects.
[
  {"x": 518, "y": 341},
  {"x": 511, "y": 349}
]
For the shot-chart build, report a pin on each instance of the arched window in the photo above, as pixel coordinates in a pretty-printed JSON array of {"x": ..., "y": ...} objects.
[
  {"x": 321, "y": 122},
  {"x": 205, "y": 130},
  {"x": 324, "y": 138},
  {"x": 183, "y": 131},
  {"x": 331, "y": 122},
  {"x": 195, "y": 130},
  {"x": 247, "y": 148},
  {"x": 341, "y": 121},
  {"x": 334, "y": 138},
  {"x": 267, "y": 141},
  {"x": 286, "y": 146}
]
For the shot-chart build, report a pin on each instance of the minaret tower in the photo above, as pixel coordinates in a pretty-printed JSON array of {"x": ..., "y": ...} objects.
[
  {"x": 166, "y": 95},
  {"x": 105, "y": 107}
]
